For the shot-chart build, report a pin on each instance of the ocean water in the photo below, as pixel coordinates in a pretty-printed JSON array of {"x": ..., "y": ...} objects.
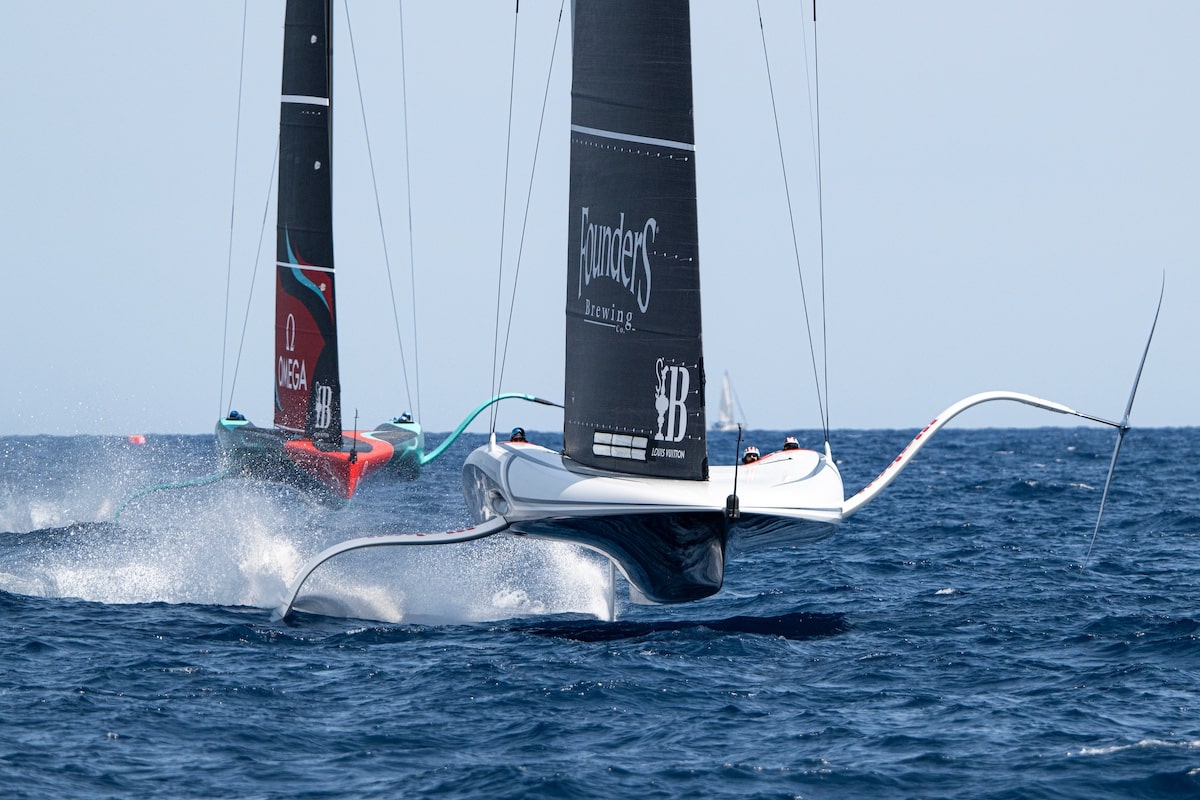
[{"x": 947, "y": 642}]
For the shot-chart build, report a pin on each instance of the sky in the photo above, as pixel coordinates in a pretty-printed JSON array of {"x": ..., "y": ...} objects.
[{"x": 1003, "y": 188}]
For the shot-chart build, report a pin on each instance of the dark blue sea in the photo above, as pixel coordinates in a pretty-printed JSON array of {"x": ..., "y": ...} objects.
[{"x": 946, "y": 642}]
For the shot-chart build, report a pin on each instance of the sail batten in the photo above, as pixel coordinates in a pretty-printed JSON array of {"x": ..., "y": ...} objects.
[
  {"x": 629, "y": 137},
  {"x": 307, "y": 267},
  {"x": 305, "y": 100}
]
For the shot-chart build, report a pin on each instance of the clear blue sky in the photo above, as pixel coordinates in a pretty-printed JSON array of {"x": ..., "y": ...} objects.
[{"x": 1003, "y": 186}]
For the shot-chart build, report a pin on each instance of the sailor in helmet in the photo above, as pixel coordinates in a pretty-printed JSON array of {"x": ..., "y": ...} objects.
[
  {"x": 750, "y": 455},
  {"x": 791, "y": 443},
  {"x": 518, "y": 435}
]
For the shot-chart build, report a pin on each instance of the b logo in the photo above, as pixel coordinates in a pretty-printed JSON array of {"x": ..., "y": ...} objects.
[
  {"x": 322, "y": 406},
  {"x": 669, "y": 397}
]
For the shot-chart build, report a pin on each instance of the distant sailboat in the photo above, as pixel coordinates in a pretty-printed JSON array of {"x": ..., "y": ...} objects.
[
  {"x": 725, "y": 419},
  {"x": 633, "y": 480}
]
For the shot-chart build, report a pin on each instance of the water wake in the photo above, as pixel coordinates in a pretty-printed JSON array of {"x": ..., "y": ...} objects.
[{"x": 224, "y": 546}]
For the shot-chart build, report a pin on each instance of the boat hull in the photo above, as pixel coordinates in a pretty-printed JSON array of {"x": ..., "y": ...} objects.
[
  {"x": 330, "y": 476},
  {"x": 669, "y": 538},
  {"x": 668, "y": 557}
]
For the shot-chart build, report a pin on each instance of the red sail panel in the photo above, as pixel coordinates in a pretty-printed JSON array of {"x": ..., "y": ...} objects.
[{"x": 304, "y": 322}]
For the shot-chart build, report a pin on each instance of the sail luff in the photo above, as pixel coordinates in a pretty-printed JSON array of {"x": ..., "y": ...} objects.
[
  {"x": 307, "y": 385},
  {"x": 634, "y": 361}
]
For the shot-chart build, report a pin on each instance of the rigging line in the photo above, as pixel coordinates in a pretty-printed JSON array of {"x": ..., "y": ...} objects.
[
  {"x": 792, "y": 220},
  {"x": 201, "y": 481},
  {"x": 262, "y": 231},
  {"x": 237, "y": 138},
  {"x": 378, "y": 207},
  {"x": 504, "y": 215},
  {"x": 820, "y": 211},
  {"x": 412, "y": 259},
  {"x": 529, "y": 194}
]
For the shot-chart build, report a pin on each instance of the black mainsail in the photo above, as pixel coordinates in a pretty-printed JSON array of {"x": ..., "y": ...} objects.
[
  {"x": 634, "y": 363},
  {"x": 307, "y": 387}
]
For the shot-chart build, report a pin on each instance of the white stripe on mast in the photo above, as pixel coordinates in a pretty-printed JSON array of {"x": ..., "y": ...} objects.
[
  {"x": 286, "y": 265},
  {"x": 629, "y": 137},
  {"x": 306, "y": 100}
]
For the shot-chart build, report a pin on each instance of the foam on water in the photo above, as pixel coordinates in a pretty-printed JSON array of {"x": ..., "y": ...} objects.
[
  {"x": 252, "y": 566},
  {"x": 490, "y": 579},
  {"x": 1143, "y": 744},
  {"x": 236, "y": 545},
  {"x": 22, "y": 515}
]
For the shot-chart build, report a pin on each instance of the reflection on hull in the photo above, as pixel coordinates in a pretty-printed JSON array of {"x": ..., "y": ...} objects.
[
  {"x": 753, "y": 532},
  {"x": 675, "y": 557},
  {"x": 668, "y": 558}
]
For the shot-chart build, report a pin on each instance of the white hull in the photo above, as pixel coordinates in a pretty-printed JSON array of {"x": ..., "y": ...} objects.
[
  {"x": 670, "y": 538},
  {"x": 529, "y": 482}
]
